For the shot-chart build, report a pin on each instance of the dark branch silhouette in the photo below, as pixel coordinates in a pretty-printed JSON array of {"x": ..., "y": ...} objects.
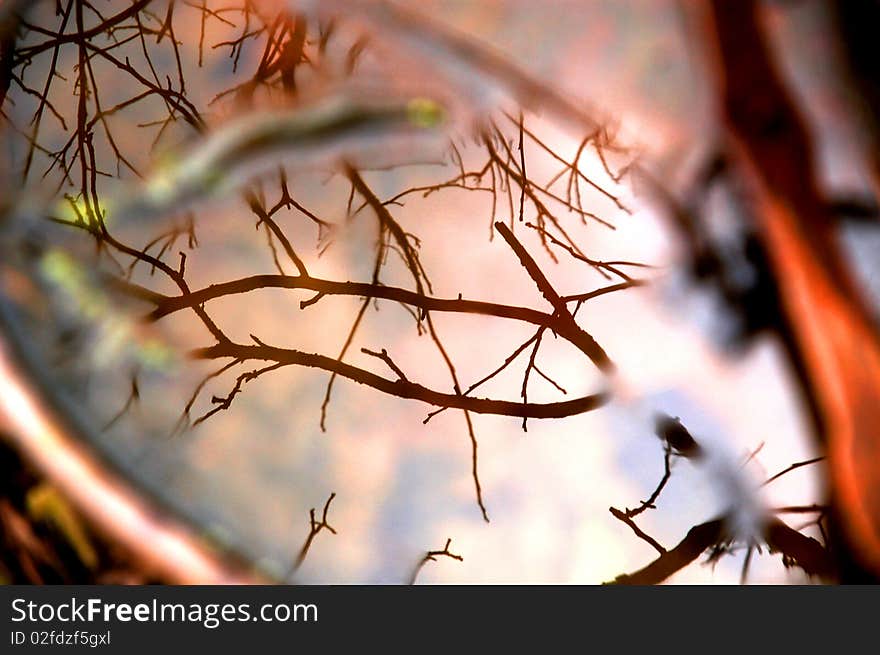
[
  {"x": 315, "y": 528},
  {"x": 431, "y": 556}
]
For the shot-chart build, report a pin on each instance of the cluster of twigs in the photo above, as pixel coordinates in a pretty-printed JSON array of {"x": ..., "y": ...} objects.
[{"x": 796, "y": 548}]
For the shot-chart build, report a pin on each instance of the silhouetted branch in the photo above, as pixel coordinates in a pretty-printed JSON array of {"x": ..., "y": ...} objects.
[
  {"x": 799, "y": 550},
  {"x": 793, "y": 467},
  {"x": 649, "y": 503},
  {"x": 402, "y": 388},
  {"x": 383, "y": 355},
  {"x": 625, "y": 518},
  {"x": 431, "y": 556},
  {"x": 698, "y": 539},
  {"x": 592, "y": 349},
  {"x": 315, "y": 528}
]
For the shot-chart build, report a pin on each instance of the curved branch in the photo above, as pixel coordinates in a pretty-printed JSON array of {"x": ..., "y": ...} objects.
[
  {"x": 404, "y": 388},
  {"x": 796, "y": 549},
  {"x": 566, "y": 329},
  {"x": 697, "y": 540},
  {"x": 431, "y": 556}
]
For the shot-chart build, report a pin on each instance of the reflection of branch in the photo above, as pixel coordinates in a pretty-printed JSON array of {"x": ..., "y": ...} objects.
[
  {"x": 596, "y": 353},
  {"x": 134, "y": 396},
  {"x": 431, "y": 556},
  {"x": 625, "y": 517},
  {"x": 611, "y": 288},
  {"x": 171, "y": 304},
  {"x": 28, "y": 53},
  {"x": 185, "y": 420},
  {"x": 649, "y": 503},
  {"x": 524, "y": 393},
  {"x": 794, "y": 466},
  {"x": 601, "y": 266},
  {"x": 315, "y": 528},
  {"x": 575, "y": 174},
  {"x": 510, "y": 358},
  {"x": 408, "y": 253},
  {"x": 796, "y": 549},
  {"x": 402, "y": 388},
  {"x": 224, "y": 403},
  {"x": 569, "y": 331},
  {"x": 698, "y": 539},
  {"x": 385, "y": 357},
  {"x": 562, "y": 323}
]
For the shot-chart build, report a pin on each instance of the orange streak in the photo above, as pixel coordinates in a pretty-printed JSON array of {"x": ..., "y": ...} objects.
[
  {"x": 164, "y": 546},
  {"x": 843, "y": 359}
]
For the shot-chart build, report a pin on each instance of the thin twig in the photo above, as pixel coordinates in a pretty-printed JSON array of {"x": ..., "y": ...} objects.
[{"x": 431, "y": 556}]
